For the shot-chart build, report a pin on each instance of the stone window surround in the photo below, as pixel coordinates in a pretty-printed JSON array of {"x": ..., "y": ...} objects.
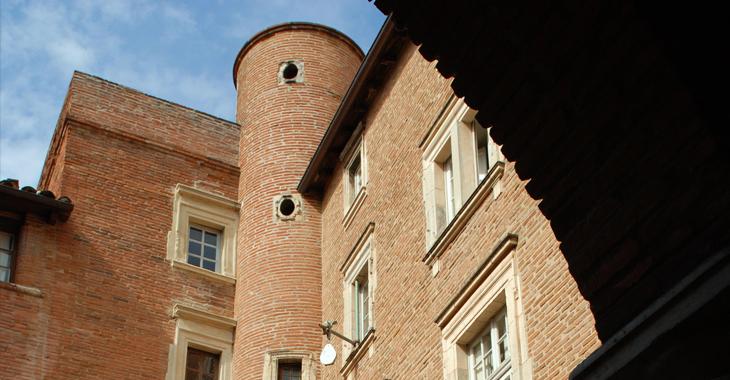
[
  {"x": 491, "y": 287},
  {"x": 204, "y": 331},
  {"x": 273, "y": 358},
  {"x": 299, "y": 78},
  {"x": 452, "y": 135},
  {"x": 296, "y": 215},
  {"x": 355, "y": 147},
  {"x": 196, "y": 206},
  {"x": 362, "y": 254}
]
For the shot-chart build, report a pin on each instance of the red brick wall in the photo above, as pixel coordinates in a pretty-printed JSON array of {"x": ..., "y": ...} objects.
[
  {"x": 107, "y": 288},
  {"x": 559, "y": 325},
  {"x": 278, "y": 292},
  {"x": 130, "y": 112}
]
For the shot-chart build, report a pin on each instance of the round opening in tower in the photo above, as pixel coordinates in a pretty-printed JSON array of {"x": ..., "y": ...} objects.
[
  {"x": 290, "y": 71},
  {"x": 286, "y": 207}
]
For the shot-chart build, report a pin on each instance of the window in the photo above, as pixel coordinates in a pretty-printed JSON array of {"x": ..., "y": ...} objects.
[
  {"x": 458, "y": 156},
  {"x": 461, "y": 166},
  {"x": 7, "y": 258},
  {"x": 290, "y": 365},
  {"x": 448, "y": 168},
  {"x": 354, "y": 175},
  {"x": 203, "y": 347},
  {"x": 489, "y": 353},
  {"x": 481, "y": 325},
  {"x": 201, "y": 365},
  {"x": 354, "y": 172},
  {"x": 203, "y": 236},
  {"x": 362, "y": 303},
  {"x": 204, "y": 247},
  {"x": 290, "y": 371},
  {"x": 358, "y": 292},
  {"x": 482, "y": 141},
  {"x": 359, "y": 284}
]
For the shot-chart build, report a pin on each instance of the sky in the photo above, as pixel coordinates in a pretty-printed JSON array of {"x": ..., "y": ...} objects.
[{"x": 181, "y": 51}]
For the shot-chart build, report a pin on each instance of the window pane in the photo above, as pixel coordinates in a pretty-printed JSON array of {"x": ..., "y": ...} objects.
[
  {"x": 449, "y": 184},
  {"x": 482, "y": 163},
  {"x": 193, "y": 360},
  {"x": 489, "y": 362},
  {"x": 211, "y": 238},
  {"x": 4, "y": 275},
  {"x": 364, "y": 317},
  {"x": 477, "y": 352},
  {"x": 196, "y": 234},
  {"x": 192, "y": 375},
  {"x": 209, "y": 252},
  {"x": 6, "y": 241},
  {"x": 502, "y": 325},
  {"x": 209, "y": 265},
  {"x": 209, "y": 364},
  {"x": 208, "y": 377},
  {"x": 358, "y": 178},
  {"x": 479, "y": 372},
  {"x": 487, "y": 340},
  {"x": 194, "y": 260},
  {"x": 503, "y": 337},
  {"x": 503, "y": 350},
  {"x": 481, "y": 137},
  {"x": 4, "y": 260},
  {"x": 194, "y": 248}
]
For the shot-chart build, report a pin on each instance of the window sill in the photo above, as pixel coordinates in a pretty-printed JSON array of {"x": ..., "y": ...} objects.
[
  {"x": 358, "y": 353},
  {"x": 354, "y": 207},
  {"x": 203, "y": 272},
  {"x": 35, "y": 292},
  {"x": 460, "y": 220}
]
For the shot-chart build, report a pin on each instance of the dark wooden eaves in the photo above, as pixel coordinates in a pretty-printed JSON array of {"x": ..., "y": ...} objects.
[
  {"x": 365, "y": 87},
  {"x": 23, "y": 202}
]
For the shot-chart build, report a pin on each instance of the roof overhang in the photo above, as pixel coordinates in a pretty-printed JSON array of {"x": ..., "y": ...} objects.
[
  {"x": 367, "y": 83},
  {"x": 20, "y": 201}
]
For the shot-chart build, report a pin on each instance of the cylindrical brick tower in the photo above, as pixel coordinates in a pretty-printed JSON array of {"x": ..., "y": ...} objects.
[{"x": 290, "y": 80}]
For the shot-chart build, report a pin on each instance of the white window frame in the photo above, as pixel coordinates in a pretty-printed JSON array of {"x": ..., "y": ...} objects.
[
  {"x": 501, "y": 370},
  {"x": 358, "y": 325},
  {"x": 203, "y": 331},
  {"x": 205, "y": 230},
  {"x": 355, "y": 178},
  {"x": 198, "y": 207},
  {"x": 454, "y": 138},
  {"x": 10, "y": 252}
]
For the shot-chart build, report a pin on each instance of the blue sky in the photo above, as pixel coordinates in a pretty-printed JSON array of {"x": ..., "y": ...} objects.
[{"x": 182, "y": 51}]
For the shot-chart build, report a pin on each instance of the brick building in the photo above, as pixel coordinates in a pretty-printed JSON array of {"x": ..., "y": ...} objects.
[{"x": 167, "y": 243}]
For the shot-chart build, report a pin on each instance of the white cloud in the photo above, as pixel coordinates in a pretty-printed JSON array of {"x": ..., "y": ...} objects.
[
  {"x": 70, "y": 55},
  {"x": 182, "y": 51},
  {"x": 178, "y": 21}
]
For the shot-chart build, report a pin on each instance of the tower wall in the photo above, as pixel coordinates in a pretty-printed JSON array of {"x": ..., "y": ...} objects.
[{"x": 278, "y": 288}]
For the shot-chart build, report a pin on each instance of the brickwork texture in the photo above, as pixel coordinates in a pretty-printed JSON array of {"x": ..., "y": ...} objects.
[
  {"x": 278, "y": 293},
  {"x": 559, "y": 329}
]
